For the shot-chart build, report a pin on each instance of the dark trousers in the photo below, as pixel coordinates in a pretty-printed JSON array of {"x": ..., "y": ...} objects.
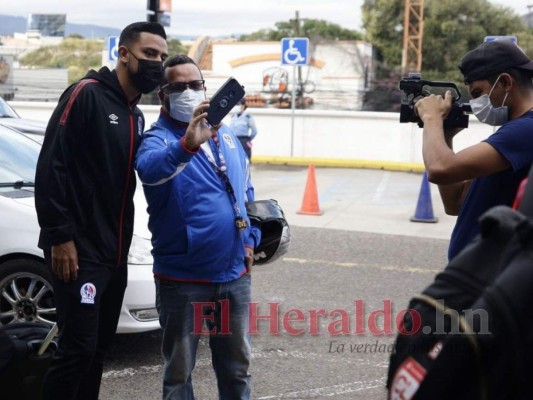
[
  {"x": 246, "y": 144},
  {"x": 87, "y": 310}
]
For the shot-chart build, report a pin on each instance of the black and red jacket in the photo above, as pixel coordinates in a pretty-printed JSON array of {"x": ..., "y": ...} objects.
[{"x": 85, "y": 179}]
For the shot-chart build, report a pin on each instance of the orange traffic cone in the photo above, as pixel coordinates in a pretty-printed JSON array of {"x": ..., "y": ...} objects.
[{"x": 310, "y": 200}]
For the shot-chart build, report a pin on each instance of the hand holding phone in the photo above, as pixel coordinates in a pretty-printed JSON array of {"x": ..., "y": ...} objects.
[{"x": 224, "y": 100}]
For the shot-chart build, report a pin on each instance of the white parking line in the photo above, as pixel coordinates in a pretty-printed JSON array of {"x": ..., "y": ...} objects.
[
  {"x": 378, "y": 194},
  {"x": 329, "y": 391}
]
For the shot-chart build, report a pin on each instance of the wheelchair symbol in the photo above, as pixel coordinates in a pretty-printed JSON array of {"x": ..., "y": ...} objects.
[
  {"x": 113, "y": 48},
  {"x": 292, "y": 55}
]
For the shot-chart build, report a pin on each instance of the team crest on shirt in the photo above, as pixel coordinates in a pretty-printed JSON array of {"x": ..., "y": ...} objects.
[
  {"x": 229, "y": 140},
  {"x": 88, "y": 293}
]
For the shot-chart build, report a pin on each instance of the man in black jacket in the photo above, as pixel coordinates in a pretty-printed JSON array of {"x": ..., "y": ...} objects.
[{"x": 84, "y": 190}]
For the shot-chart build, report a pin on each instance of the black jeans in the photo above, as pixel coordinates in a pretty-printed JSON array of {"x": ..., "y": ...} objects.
[{"x": 88, "y": 310}]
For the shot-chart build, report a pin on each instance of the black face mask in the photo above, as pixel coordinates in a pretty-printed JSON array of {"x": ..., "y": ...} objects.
[{"x": 148, "y": 76}]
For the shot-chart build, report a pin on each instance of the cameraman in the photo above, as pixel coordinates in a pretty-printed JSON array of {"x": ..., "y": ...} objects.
[{"x": 473, "y": 180}]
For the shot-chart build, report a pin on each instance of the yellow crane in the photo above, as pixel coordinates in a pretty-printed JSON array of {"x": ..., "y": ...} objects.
[{"x": 413, "y": 31}]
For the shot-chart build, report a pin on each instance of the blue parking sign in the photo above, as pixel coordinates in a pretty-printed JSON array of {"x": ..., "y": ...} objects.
[
  {"x": 112, "y": 48},
  {"x": 294, "y": 51}
]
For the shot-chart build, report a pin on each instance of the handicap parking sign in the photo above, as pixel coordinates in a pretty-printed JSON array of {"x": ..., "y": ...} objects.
[
  {"x": 112, "y": 46},
  {"x": 294, "y": 51}
]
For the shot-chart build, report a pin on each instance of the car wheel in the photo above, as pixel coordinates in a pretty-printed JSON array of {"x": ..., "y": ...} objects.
[{"x": 26, "y": 293}]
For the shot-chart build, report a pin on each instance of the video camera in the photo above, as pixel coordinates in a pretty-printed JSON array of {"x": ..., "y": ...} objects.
[{"x": 413, "y": 89}]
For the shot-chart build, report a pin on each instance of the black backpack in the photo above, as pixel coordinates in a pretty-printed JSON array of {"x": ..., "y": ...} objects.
[
  {"x": 468, "y": 335},
  {"x": 26, "y": 350}
]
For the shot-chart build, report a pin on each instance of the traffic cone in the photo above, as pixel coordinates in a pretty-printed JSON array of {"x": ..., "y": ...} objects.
[
  {"x": 310, "y": 200},
  {"x": 424, "y": 209}
]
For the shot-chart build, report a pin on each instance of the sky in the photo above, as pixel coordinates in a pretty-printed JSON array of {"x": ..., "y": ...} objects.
[{"x": 208, "y": 17}]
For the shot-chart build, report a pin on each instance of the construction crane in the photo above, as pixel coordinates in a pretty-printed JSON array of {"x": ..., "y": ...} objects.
[{"x": 413, "y": 31}]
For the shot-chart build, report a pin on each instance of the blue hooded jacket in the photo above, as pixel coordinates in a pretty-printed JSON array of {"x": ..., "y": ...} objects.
[{"x": 191, "y": 213}]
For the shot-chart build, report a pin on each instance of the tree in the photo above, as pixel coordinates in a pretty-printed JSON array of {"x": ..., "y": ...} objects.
[
  {"x": 451, "y": 28},
  {"x": 314, "y": 29}
]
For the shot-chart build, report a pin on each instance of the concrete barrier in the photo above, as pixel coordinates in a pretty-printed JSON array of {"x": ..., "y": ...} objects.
[{"x": 325, "y": 138}]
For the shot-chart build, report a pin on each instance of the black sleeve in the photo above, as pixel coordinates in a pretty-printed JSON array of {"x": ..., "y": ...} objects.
[{"x": 51, "y": 180}]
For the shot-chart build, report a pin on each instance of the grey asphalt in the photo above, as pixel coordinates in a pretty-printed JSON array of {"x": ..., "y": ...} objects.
[
  {"x": 363, "y": 249},
  {"x": 355, "y": 199}
]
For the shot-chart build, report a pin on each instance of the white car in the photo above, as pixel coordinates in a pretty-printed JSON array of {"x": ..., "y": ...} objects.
[
  {"x": 30, "y": 127},
  {"x": 25, "y": 291}
]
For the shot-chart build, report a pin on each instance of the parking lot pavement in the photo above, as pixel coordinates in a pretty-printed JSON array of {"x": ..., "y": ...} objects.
[{"x": 354, "y": 199}]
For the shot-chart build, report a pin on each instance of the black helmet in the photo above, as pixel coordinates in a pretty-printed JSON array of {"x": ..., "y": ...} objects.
[{"x": 268, "y": 216}]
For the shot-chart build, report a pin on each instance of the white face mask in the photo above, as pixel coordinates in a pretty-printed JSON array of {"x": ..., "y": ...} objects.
[
  {"x": 182, "y": 104},
  {"x": 485, "y": 112}
]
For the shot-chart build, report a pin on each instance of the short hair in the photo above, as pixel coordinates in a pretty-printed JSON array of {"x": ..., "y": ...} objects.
[
  {"x": 132, "y": 32},
  {"x": 178, "y": 60}
]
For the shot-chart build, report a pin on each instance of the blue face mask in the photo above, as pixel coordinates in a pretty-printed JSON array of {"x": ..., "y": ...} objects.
[{"x": 486, "y": 113}]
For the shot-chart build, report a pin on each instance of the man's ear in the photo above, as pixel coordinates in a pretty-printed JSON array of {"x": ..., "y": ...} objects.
[
  {"x": 507, "y": 81},
  {"x": 122, "y": 54}
]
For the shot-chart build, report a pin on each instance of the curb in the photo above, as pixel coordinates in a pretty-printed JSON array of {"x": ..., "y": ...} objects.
[{"x": 340, "y": 163}]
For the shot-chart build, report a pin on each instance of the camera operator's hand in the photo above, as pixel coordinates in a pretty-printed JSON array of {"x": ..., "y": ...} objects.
[{"x": 434, "y": 107}]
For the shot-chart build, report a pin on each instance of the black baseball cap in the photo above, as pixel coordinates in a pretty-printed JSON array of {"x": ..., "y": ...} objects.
[{"x": 490, "y": 58}]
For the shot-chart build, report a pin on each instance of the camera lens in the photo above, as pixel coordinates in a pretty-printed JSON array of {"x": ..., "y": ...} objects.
[
  {"x": 223, "y": 103},
  {"x": 231, "y": 93}
]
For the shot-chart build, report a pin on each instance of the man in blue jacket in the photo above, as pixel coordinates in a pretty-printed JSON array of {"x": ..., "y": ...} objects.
[{"x": 196, "y": 181}]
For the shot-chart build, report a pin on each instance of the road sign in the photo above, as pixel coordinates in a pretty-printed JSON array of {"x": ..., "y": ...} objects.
[
  {"x": 493, "y": 38},
  {"x": 112, "y": 48},
  {"x": 294, "y": 51}
]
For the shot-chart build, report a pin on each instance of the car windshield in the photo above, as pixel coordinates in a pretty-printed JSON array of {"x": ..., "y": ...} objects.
[
  {"x": 18, "y": 158},
  {"x": 6, "y": 111}
]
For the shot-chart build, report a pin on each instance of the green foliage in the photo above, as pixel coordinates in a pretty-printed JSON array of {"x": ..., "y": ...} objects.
[
  {"x": 314, "y": 29},
  {"x": 176, "y": 47},
  {"x": 451, "y": 28},
  {"x": 78, "y": 55},
  {"x": 382, "y": 21}
]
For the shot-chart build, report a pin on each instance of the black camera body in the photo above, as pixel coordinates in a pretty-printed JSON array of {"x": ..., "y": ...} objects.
[
  {"x": 414, "y": 88},
  {"x": 224, "y": 100}
]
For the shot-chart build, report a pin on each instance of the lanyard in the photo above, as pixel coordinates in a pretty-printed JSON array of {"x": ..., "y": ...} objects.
[{"x": 221, "y": 168}]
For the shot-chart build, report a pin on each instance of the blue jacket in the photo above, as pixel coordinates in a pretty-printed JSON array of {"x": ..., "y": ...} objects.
[{"x": 191, "y": 214}]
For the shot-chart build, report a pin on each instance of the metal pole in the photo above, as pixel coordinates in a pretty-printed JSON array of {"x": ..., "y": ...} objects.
[
  {"x": 300, "y": 88},
  {"x": 292, "y": 106}
]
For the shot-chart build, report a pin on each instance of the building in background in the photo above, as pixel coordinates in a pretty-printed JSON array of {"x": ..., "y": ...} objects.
[
  {"x": 336, "y": 78},
  {"x": 47, "y": 24}
]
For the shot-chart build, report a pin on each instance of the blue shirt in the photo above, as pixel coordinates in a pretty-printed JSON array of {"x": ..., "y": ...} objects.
[
  {"x": 243, "y": 125},
  {"x": 514, "y": 141}
]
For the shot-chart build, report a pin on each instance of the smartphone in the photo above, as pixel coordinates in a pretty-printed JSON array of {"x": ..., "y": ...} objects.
[{"x": 224, "y": 100}]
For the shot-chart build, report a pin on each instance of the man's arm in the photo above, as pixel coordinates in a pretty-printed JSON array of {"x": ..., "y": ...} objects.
[
  {"x": 51, "y": 186},
  {"x": 157, "y": 161},
  {"x": 451, "y": 171}
]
